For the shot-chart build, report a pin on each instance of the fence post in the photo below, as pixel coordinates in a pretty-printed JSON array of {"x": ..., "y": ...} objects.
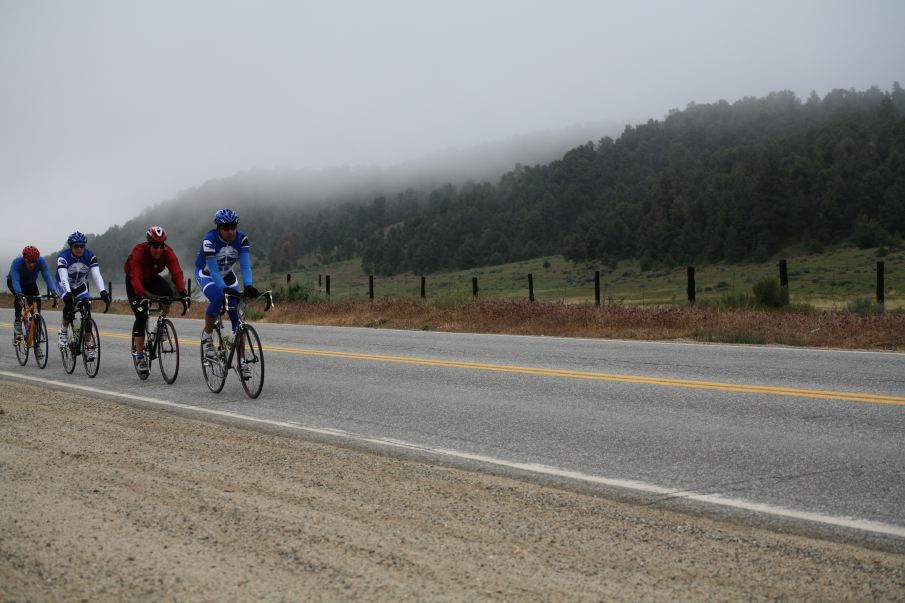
[
  {"x": 328, "y": 285},
  {"x": 530, "y": 287},
  {"x": 691, "y": 287},
  {"x": 110, "y": 288},
  {"x": 423, "y": 287},
  {"x": 597, "y": 287},
  {"x": 319, "y": 282},
  {"x": 783, "y": 273},
  {"x": 288, "y": 278},
  {"x": 881, "y": 285},
  {"x": 188, "y": 283},
  {"x": 371, "y": 287},
  {"x": 474, "y": 286}
]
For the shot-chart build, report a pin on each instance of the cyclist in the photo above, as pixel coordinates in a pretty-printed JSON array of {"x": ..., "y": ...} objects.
[
  {"x": 143, "y": 268},
  {"x": 221, "y": 247},
  {"x": 73, "y": 267},
  {"x": 22, "y": 280}
]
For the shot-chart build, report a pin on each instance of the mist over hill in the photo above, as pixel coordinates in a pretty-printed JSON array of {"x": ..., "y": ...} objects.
[{"x": 720, "y": 181}]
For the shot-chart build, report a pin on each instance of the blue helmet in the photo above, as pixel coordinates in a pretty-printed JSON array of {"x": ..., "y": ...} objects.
[
  {"x": 226, "y": 216},
  {"x": 77, "y": 238}
]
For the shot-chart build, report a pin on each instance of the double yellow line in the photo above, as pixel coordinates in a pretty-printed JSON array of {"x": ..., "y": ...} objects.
[{"x": 592, "y": 376}]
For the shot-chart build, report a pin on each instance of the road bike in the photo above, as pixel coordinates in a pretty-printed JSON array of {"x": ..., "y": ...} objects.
[
  {"x": 161, "y": 342},
  {"x": 84, "y": 338},
  {"x": 34, "y": 332},
  {"x": 245, "y": 349}
]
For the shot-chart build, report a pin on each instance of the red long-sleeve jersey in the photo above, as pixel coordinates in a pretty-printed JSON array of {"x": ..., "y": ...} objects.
[{"x": 140, "y": 266}]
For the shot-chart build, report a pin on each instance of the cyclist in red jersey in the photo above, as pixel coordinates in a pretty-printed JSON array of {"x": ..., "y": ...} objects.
[{"x": 143, "y": 268}]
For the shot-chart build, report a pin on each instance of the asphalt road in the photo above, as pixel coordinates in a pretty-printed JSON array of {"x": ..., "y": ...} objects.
[{"x": 809, "y": 438}]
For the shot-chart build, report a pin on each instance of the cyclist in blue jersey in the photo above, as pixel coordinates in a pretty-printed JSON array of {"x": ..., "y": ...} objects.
[
  {"x": 221, "y": 248},
  {"x": 73, "y": 267},
  {"x": 22, "y": 281}
]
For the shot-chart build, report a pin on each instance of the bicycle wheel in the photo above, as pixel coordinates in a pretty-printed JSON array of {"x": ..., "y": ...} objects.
[
  {"x": 91, "y": 347},
  {"x": 21, "y": 343},
  {"x": 168, "y": 351},
  {"x": 39, "y": 342},
  {"x": 252, "y": 356},
  {"x": 70, "y": 350},
  {"x": 214, "y": 368}
]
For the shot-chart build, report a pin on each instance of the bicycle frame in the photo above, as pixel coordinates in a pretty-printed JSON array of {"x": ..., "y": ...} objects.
[{"x": 29, "y": 313}]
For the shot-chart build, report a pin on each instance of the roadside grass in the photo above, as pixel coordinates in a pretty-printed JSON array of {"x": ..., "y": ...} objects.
[{"x": 829, "y": 280}]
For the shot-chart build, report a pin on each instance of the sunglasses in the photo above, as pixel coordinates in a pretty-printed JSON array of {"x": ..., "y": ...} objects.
[
  {"x": 157, "y": 245},
  {"x": 78, "y": 246},
  {"x": 30, "y": 262},
  {"x": 231, "y": 226}
]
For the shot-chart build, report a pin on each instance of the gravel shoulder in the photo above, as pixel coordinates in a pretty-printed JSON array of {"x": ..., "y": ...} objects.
[{"x": 102, "y": 501}]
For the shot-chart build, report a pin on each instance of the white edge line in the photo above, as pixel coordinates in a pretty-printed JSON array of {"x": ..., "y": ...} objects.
[{"x": 638, "y": 486}]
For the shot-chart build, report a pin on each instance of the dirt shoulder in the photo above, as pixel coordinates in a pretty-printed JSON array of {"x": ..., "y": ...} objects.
[{"x": 102, "y": 501}]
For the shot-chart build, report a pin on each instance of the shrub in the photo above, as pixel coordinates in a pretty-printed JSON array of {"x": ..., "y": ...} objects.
[
  {"x": 769, "y": 294},
  {"x": 865, "y": 306}
]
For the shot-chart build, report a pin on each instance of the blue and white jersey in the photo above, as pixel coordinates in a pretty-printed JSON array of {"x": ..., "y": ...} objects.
[
  {"x": 225, "y": 254},
  {"x": 72, "y": 272},
  {"x": 20, "y": 274}
]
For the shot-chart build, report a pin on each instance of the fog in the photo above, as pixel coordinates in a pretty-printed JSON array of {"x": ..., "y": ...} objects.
[{"x": 108, "y": 107}]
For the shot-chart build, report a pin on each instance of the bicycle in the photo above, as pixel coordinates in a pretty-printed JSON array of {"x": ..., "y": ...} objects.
[
  {"x": 250, "y": 356},
  {"x": 161, "y": 342},
  {"x": 34, "y": 332},
  {"x": 84, "y": 339}
]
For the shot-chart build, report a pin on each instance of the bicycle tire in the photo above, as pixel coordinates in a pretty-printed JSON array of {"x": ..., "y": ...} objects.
[
  {"x": 214, "y": 369},
  {"x": 21, "y": 343},
  {"x": 91, "y": 341},
  {"x": 253, "y": 355},
  {"x": 39, "y": 341},
  {"x": 68, "y": 352},
  {"x": 167, "y": 348}
]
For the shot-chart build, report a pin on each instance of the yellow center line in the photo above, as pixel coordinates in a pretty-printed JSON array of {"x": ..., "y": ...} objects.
[{"x": 588, "y": 375}]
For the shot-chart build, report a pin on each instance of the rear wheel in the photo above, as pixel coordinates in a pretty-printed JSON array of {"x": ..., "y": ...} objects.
[
  {"x": 70, "y": 350},
  {"x": 39, "y": 343},
  {"x": 21, "y": 344},
  {"x": 214, "y": 368},
  {"x": 91, "y": 347},
  {"x": 168, "y": 351},
  {"x": 250, "y": 361}
]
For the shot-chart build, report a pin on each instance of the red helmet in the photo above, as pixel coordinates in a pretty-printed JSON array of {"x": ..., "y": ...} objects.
[
  {"x": 31, "y": 253},
  {"x": 156, "y": 234}
]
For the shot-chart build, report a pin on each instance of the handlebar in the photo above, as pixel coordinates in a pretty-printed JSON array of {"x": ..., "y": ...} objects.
[
  {"x": 91, "y": 299},
  {"x": 45, "y": 296},
  {"x": 170, "y": 300},
  {"x": 267, "y": 295}
]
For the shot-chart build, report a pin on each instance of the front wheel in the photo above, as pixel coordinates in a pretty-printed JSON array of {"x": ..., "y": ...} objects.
[
  {"x": 167, "y": 346},
  {"x": 39, "y": 341},
  {"x": 214, "y": 368},
  {"x": 250, "y": 361},
  {"x": 91, "y": 347}
]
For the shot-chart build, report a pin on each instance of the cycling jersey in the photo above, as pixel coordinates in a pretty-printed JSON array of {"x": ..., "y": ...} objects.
[
  {"x": 140, "y": 267},
  {"x": 72, "y": 272},
  {"x": 217, "y": 257},
  {"x": 20, "y": 274}
]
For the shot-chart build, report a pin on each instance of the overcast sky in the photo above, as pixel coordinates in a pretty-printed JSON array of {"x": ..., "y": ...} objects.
[{"x": 107, "y": 107}]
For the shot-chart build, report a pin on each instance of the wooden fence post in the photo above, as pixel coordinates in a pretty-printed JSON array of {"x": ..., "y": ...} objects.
[
  {"x": 188, "y": 283},
  {"x": 423, "y": 287},
  {"x": 328, "y": 285},
  {"x": 783, "y": 273},
  {"x": 881, "y": 285},
  {"x": 474, "y": 286},
  {"x": 530, "y": 287},
  {"x": 691, "y": 286},
  {"x": 288, "y": 278},
  {"x": 371, "y": 287},
  {"x": 597, "y": 287}
]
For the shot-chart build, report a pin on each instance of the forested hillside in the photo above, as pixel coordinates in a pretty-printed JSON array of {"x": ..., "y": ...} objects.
[{"x": 711, "y": 182}]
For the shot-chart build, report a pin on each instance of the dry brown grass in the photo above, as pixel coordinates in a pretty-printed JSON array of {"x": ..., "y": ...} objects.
[{"x": 818, "y": 328}]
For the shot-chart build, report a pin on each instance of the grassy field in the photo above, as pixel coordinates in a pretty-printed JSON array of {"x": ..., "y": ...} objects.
[{"x": 828, "y": 280}]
